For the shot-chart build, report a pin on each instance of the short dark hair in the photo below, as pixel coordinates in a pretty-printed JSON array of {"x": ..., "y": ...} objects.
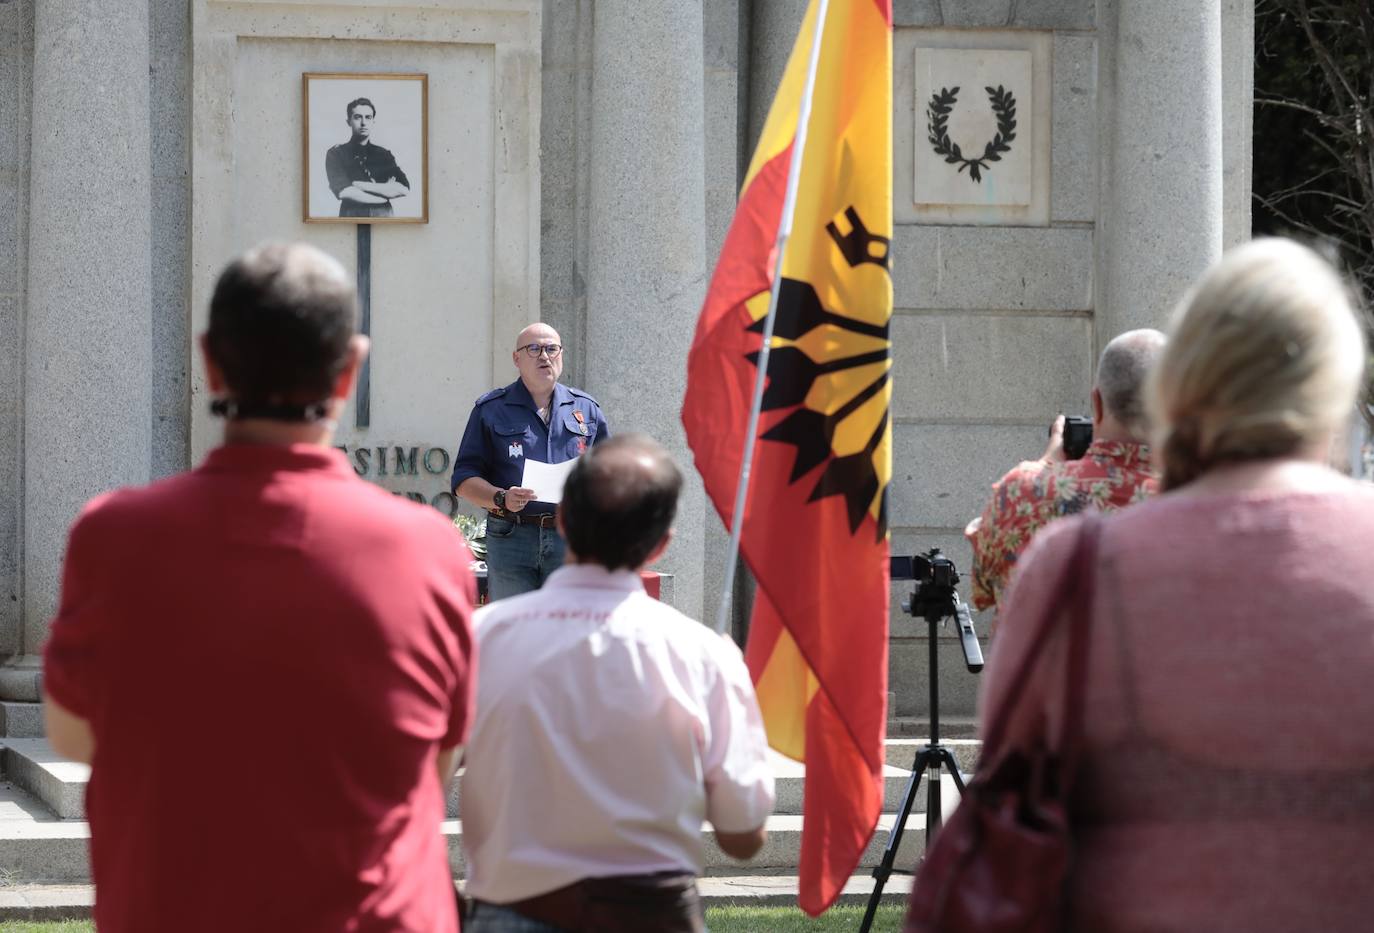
[
  {"x": 281, "y": 319},
  {"x": 619, "y": 501},
  {"x": 357, "y": 102}
]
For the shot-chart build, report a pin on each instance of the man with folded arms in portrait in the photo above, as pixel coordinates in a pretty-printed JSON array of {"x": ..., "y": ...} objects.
[{"x": 363, "y": 175}]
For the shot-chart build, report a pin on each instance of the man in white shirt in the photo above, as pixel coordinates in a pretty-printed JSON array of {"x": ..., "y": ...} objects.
[{"x": 609, "y": 726}]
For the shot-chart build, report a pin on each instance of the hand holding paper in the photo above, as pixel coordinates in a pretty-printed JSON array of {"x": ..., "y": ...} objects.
[{"x": 546, "y": 479}]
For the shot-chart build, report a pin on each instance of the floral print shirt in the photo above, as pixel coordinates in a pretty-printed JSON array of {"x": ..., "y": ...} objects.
[{"x": 1109, "y": 476}]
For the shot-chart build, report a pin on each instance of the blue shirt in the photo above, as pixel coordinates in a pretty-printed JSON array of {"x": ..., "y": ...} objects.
[{"x": 505, "y": 428}]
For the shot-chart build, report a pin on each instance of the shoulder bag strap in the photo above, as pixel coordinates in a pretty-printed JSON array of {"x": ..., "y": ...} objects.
[
  {"x": 1080, "y": 638},
  {"x": 1065, "y": 591}
]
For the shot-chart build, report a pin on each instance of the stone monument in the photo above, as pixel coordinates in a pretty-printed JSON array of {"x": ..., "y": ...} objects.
[{"x": 1062, "y": 169}]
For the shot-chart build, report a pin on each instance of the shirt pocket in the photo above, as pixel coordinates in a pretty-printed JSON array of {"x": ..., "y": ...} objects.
[
  {"x": 579, "y": 435},
  {"x": 513, "y": 442}
]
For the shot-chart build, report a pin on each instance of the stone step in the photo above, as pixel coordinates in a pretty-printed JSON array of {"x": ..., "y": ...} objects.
[
  {"x": 901, "y": 752},
  {"x": 22, "y": 720},
  {"x": 781, "y": 851},
  {"x": 790, "y": 778},
  {"x": 34, "y": 766},
  {"x": 48, "y": 902},
  {"x": 37, "y": 847},
  {"x": 29, "y": 903},
  {"x": 780, "y": 890},
  {"x": 951, "y": 727}
]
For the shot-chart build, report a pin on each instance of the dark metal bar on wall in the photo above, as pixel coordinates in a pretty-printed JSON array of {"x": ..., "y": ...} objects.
[{"x": 363, "y": 408}]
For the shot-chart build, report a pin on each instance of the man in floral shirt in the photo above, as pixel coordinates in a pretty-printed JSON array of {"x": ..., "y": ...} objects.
[{"x": 1113, "y": 473}]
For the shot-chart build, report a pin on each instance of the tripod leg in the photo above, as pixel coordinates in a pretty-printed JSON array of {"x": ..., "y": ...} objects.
[
  {"x": 954, "y": 770},
  {"x": 940, "y": 757},
  {"x": 934, "y": 811},
  {"x": 883, "y": 871}
]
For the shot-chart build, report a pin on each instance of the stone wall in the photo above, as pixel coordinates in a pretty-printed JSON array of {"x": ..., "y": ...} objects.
[
  {"x": 16, "y": 75},
  {"x": 993, "y": 330},
  {"x": 996, "y": 325}
]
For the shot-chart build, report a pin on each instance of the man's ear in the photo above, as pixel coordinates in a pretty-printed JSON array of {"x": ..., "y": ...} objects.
[
  {"x": 1097, "y": 406},
  {"x": 214, "y": 376},
  {"x": 358, "y": 345}
]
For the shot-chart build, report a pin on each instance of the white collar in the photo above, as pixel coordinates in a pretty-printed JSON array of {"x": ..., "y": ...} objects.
[{"x": 593, "y": 576}]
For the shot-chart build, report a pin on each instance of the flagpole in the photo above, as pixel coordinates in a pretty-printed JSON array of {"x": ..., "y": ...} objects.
[{"x": 789, "y": 204}]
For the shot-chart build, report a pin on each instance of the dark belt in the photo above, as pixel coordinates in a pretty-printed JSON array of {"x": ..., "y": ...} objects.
[
  {"x": 543, "y": 519},
  {"x": 666, "y": 902}
]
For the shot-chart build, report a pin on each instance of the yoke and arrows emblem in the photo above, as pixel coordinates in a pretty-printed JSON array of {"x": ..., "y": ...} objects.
[{"x": 853, "y": 345}]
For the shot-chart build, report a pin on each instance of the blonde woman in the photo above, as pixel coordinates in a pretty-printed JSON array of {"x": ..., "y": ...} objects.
[{"x": 1227, "y": 771}]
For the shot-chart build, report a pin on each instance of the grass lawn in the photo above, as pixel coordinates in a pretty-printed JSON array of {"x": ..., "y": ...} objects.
[
  {"x": 788, "y": 919},
  {"x": 719, "y": 919}
]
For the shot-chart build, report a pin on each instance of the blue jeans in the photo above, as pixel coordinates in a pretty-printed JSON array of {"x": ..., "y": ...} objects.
[
  {"x": 520, "y": 557},
  {"x": 493, "y": 918}
]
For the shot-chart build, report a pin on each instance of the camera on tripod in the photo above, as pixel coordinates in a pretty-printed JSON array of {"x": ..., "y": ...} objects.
[{"x": 935, "y": 598}]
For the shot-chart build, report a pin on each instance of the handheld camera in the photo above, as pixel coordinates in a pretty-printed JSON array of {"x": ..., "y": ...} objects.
[
  {"x": 935, "y": 597},
  {"x": 1078, "y": 434}
]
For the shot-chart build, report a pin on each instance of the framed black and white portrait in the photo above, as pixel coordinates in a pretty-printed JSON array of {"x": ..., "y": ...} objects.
[{"x": 366, "y": 148}]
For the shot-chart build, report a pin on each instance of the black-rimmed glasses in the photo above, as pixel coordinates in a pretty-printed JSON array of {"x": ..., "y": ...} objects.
[{"x": 551, "y": 350}]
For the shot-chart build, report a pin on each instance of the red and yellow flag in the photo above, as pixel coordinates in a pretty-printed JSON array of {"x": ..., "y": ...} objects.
[{"x": 815, "y": 524}]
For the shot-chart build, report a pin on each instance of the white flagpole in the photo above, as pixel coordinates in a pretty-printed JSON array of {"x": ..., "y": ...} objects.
[{"x": 789, "y": 204}]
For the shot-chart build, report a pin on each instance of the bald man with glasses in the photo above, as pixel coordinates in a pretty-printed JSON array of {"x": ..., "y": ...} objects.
[{"x": 535, "y": 417}]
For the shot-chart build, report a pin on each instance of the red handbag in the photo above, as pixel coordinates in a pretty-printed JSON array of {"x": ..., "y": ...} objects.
[{"x": 1002, "y": 861}]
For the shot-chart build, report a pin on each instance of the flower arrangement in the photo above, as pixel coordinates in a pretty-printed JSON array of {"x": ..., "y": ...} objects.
[{"x": 474, "y": 531}]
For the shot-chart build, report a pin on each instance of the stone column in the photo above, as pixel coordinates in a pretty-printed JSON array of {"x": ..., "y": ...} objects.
[
  {"x": 772, "y": 33},
  {"x": 1162, "y": 205},
  {"x": 646, "y": 253},
  {"x": 88, "y": 368}
]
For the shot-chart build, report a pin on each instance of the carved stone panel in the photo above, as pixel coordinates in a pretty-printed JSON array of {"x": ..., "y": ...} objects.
[
  {"x": 976, "y": 144},
  {"x": 972, "y": 126}
]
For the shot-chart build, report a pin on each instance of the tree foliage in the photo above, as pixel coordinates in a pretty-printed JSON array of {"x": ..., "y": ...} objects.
[{"x": 1314, "y": 125}]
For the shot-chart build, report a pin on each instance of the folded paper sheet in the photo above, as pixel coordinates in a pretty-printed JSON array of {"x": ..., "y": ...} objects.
[{"x": 546, "y": 479}]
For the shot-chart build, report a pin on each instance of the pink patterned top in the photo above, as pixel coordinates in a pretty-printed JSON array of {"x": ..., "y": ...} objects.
[{"x": 1228, "y": 773}]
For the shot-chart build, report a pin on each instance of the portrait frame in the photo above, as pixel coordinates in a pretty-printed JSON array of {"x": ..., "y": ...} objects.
[{"x": 330, "y": 148}]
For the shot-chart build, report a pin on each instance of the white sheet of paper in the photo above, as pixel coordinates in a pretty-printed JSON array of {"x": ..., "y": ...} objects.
[{"x": 546, "y": 479}]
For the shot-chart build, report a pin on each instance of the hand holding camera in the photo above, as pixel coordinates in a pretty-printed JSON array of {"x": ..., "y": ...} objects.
[{"x": 1070, "y": 436}]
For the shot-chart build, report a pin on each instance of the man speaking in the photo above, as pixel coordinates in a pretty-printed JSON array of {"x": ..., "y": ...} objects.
[{"x": 535, "y": 417}]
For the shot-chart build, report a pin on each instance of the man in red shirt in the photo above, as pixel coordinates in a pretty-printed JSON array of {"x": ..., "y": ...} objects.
[
  {"x": 1114, "y": 472},
  {"x": 267, "y": 661}
]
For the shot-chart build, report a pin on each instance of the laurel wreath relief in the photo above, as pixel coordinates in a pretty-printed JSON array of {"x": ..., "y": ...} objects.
[{"x": 937, "y": 116}]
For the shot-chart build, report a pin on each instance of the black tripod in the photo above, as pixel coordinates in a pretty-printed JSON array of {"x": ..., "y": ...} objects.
[{"x": 934, "y": 600}]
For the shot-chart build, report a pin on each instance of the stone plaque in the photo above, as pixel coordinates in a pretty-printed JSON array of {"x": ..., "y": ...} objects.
[
  {"x": 974, "y": 145},
  {"x": 971, "y": 126}
]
